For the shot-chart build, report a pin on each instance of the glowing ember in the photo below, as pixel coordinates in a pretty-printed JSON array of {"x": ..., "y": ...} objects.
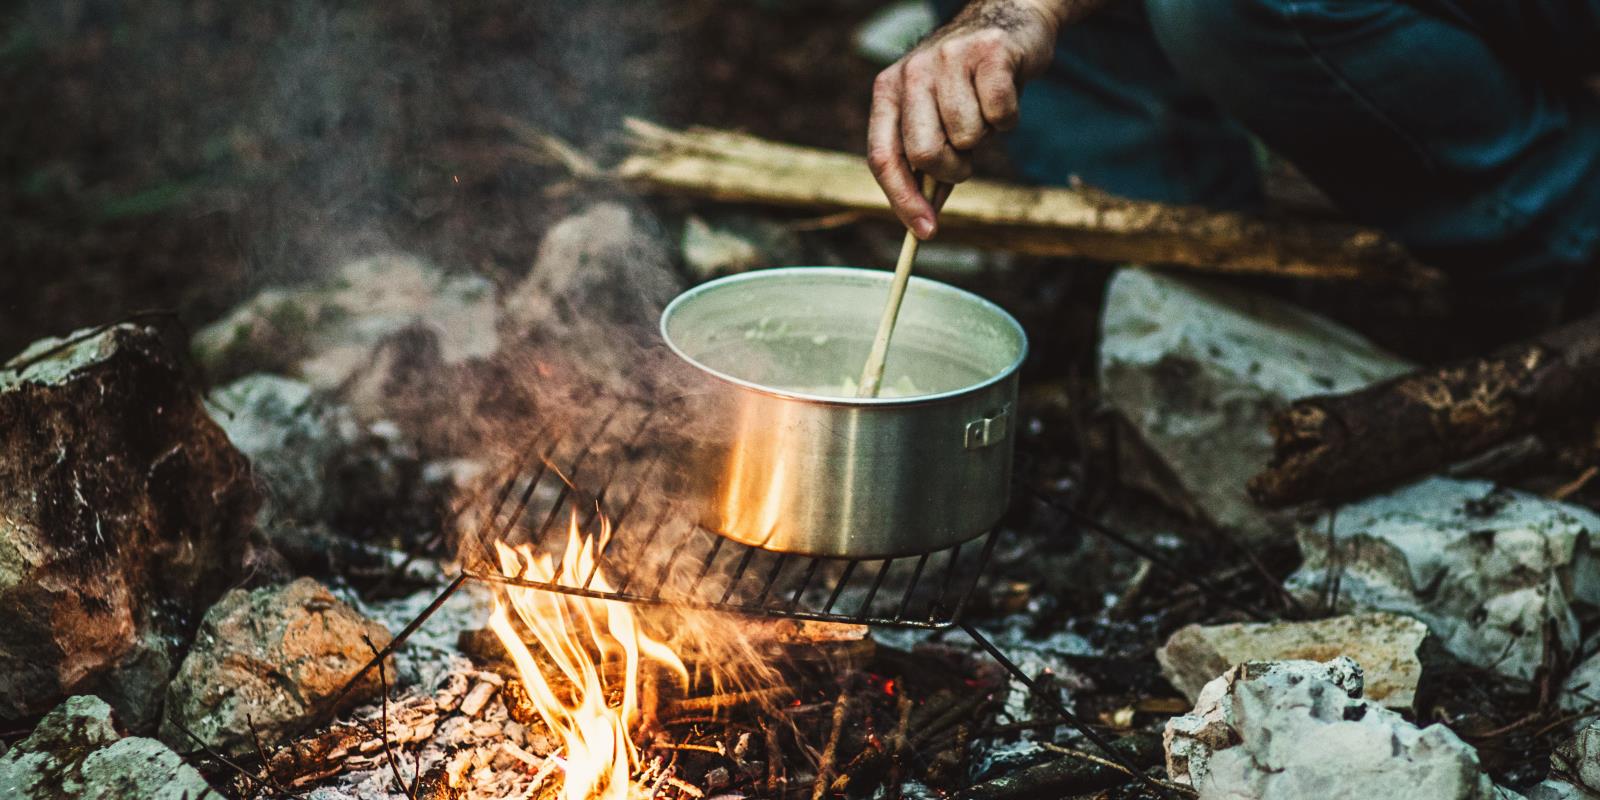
[{"x": 586, "y": 686}]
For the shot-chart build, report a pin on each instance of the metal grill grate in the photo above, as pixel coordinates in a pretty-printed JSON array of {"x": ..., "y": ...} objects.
[{"x": 614, "y": 461}]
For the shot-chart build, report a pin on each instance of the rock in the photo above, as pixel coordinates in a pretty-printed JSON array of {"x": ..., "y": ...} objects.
[
  {"x": 123, "y": 514},
  {"x": 1574, "y": 768},
  {"x": 892, "y": 31},
  {"x": 318, "y": 463},
  {"x": 737, "y": 243},
  {"x": 1581, "y": 690},
  {"x": 1198, "y": 369},
  {"x": 325, "y": 332},
  {"x": 1385, "y": 645},
  {"x": 595, "y": 294},
  {"x": 1485, "y": 568},
  {"x": 294, "y": 438},
  {"x": 1300, "y": 729},
  {"x": 269, "y": 658},
  {"x": 76, "y": 752}
]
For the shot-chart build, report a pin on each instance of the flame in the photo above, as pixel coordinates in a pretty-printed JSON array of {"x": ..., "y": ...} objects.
[
  {"x": 752, "y": 505},
  {"x": 583, "y": 641}
]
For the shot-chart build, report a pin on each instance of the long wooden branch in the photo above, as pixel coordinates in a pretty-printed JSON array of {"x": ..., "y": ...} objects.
[
  {"x": 1331, "y": 447},
  {"x": 734, "y": 167}
]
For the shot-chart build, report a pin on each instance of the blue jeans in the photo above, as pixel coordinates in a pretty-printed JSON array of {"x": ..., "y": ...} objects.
[{"x": 1461, "y": 127}]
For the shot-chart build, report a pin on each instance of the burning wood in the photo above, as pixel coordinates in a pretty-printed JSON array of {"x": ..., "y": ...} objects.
[{"x": 584, "y": 638}]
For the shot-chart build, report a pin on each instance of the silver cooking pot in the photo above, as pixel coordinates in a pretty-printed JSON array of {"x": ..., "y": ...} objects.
[{"x": 792, "y": 461}]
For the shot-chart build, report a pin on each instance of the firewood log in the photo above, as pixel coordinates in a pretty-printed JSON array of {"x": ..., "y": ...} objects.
[
  {"x": 1332, "y": 447},
  {"x": 1047, "y": 221}
]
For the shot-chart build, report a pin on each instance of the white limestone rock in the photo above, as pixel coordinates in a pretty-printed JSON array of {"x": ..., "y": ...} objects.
[
  {"x": 1385, "y": 645},
  {"x": 76, "y": 753},
  {"x": 1198, "y": 369},
  {"x": 324, "y": 333},
  {"x": 1485, "y": 568},
  {"x": 1297, "y": 730}
]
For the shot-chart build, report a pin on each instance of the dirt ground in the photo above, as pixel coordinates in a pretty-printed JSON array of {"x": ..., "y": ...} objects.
[{"x": 176, "y": 155}]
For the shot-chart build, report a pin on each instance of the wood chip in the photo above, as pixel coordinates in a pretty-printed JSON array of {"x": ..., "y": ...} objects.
[{"x": 482, "y": 691}]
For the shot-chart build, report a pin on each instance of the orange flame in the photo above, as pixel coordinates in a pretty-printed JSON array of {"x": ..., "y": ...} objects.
[{"x": 584, "y": 641}]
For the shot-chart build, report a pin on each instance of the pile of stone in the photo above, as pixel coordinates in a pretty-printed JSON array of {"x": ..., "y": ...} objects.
[
  {"x": 155, "y": 536},
  {"x": 1445, "y": 571}
]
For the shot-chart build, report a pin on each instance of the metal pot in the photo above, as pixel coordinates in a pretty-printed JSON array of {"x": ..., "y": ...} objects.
[{"x": 795, "y": 463}]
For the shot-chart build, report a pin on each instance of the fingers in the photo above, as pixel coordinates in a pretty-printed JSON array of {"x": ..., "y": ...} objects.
[
  {"x": 995, "y": 83},
  {"x": 959, "y": 110},
  {"x": 886, "y": 155},
  {"x": 927, "y": 146}
]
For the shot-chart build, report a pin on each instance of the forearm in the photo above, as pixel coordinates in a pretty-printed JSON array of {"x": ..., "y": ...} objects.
[{"x": 1011, "y": 14}]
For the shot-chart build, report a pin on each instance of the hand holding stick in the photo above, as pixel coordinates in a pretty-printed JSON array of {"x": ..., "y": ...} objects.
[{"x": 872, "y": 373}]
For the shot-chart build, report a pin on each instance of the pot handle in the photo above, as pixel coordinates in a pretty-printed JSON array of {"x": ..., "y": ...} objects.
[{"x": 989, "y": 430}]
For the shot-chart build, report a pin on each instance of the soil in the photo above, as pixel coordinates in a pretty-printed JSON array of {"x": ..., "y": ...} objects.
[{"x": 178, "y": 155}]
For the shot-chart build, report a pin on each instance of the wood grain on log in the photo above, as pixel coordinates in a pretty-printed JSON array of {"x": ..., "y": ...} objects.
[
  {"x": 1332, "y": 447},
  {"x": 734, "y": 167}
]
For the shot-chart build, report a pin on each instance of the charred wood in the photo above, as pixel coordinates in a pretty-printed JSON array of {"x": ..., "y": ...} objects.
[
  {"x": 1069, "y": 775},
  {"x": 1333, "y": 447}
]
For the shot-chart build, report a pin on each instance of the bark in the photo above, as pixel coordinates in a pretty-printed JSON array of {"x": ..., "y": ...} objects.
[
  {"x": 1331, "y": 447},
  {"x": 1038, "y": 221}
]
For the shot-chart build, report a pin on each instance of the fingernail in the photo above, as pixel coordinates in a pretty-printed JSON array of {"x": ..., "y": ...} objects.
[{"x": 923, "y": 227}]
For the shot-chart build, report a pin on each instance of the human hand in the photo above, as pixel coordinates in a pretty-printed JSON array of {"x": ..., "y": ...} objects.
[{"x": 930, "y": 108}]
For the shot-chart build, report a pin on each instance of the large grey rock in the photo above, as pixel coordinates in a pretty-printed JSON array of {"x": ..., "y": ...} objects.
[
  {"x": 268, "y": 660},
  {"x": 295, "y": 439},
  {"x": 1298, "y": 730},
  {"x": 594, "y": 295},
  {"x": 1385, "y": 645},
  {"x": 324, "y": 333},
  {"x": 1486, "y": 569},
  {"x": 123, "y": 510},
  {"x": 1198, "y": 369},
  {"x": 317, "y": 461},
  {"x": 76, "y": 753}
]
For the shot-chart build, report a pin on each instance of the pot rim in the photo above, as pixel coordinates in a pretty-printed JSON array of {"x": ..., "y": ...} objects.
[{"x": 885, "y": 277}]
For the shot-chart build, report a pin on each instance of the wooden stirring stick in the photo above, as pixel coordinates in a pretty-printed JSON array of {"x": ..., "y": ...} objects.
[{"x": 872, "y": 373}]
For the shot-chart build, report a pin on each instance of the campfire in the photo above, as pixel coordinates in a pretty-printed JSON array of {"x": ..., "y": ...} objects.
[
  {"x": 386, "y": 413},
  {"x": 574, "y": 683}
]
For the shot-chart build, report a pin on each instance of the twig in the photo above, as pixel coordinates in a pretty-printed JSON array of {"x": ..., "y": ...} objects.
[
  {"x": 826, "y": 221},
  {"x": 1200, "y": 584},
  {"x": 388, "y": 650},
  {"x": 388, "y": 752},
  {"x": 774, "y": 760},
  {"x": 949, "y": 718},
  {"x": 1055, "y": 705},
  {"x": 212, "y": 753},
  {"x": 830, "y": 751},
  {"x": 261, "y": 753},
  {"x": 728, "y": 700},
  {"x": 875, "y": 754},
  {"x": 1571, "y": 488},
  {"x": 897, "y": 745},
  {"x": 702, "y": 748}
]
